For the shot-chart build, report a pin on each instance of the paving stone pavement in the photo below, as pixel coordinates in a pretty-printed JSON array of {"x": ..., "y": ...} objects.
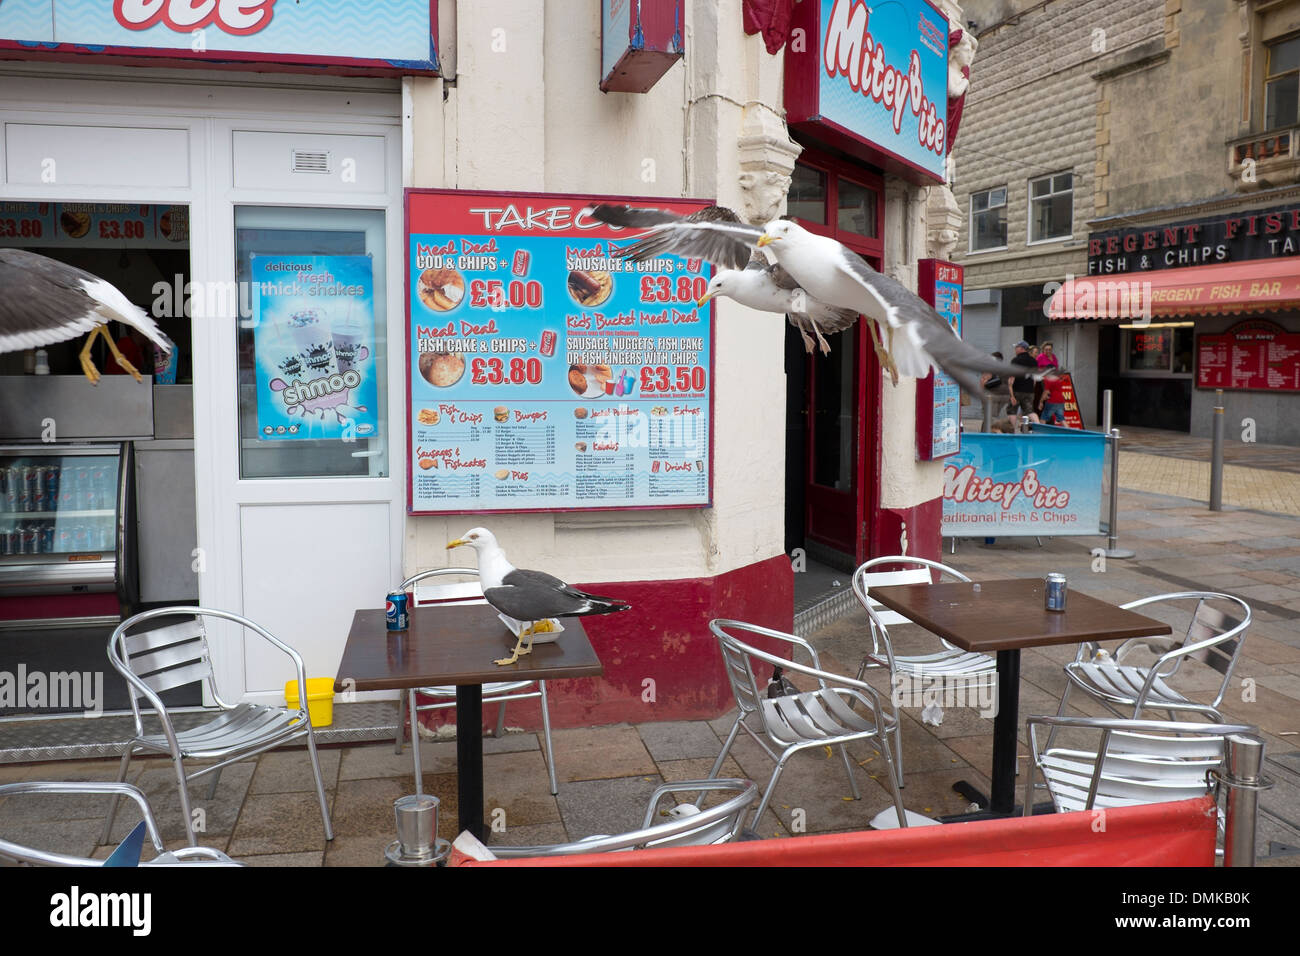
[{"x": 265, "y": 813}]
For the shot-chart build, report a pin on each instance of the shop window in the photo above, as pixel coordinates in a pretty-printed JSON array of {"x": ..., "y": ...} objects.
[
  {"x": 988, "y": 219},
  {"x": 312, "y": 317},
  {"x": 1051, "y": 207},
  {"x": 807, "y": 198},
  {"x": 1163, "y": 349},
  {"x": 857, "y": 208},
  {"x": 1282, "y": 83}
]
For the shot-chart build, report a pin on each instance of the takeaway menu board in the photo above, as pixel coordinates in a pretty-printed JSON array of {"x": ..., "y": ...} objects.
[
  {"x": 1252, "y": 355},
  {"x": 545, "y": 372},
  {"x": 112, "y": 225}
]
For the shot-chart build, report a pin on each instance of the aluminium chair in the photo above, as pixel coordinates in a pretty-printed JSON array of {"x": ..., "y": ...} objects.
[
  {"x": 1132, "y": 761},
  {"x": 722, "y": 823},
  {"x": 30, "y": 856},
  {"x": 952, "y": 665},
  {"x": 824, "y": 717},
  {"x": 1214, "y": 636},
  {"x": 161, "y": 658},
  {"x": 497, "y": 692}
]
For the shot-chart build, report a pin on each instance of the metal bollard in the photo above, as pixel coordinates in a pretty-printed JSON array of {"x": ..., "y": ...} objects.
[
  {"x": 1216, "y": 454},
  {"x": 1244, "y": 781},
  {"x": 988, "y": 415},
  {"x": 1107, "y": 406},
  {"x": 1113, "y": 550}
]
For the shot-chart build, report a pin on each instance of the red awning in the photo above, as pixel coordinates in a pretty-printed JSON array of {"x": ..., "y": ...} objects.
[{"x": 1232, "y": 288}]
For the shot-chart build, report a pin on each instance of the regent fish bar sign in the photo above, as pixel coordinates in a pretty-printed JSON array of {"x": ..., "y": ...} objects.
[
  {"x": 875, "y": 77},
  {"x": 344, "y": 36}
]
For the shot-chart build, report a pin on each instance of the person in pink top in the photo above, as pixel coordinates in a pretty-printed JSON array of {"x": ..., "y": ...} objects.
[{"x": 1047, "y": 357}]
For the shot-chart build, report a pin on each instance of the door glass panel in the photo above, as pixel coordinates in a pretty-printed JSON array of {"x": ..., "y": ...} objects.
[
  {"x": 312, "y": 342},
  {"x": 58, "y": 504},
  {"x": 833, "y": 419},
  {"x": 807, "y": 198}
]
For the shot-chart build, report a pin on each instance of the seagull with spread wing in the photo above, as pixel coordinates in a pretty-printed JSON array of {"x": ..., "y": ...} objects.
[
  {"x": 45, "y": 301},
  {"x": 527, "y": 596},
  {"x": 831, "y": 273},
  {"x": 744, "y": 274}
]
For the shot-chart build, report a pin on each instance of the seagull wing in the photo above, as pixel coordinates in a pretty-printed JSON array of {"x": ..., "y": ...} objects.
[
  {"x": 535, "y": 595},
  {"x": 827, "y": 318},
  {"x": 46, "y": 301},
  {"x": 714, "y": 234},
  {"x": 926, "y": 338}
]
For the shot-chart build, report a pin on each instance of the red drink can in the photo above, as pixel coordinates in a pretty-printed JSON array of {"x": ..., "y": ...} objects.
[
  {"x": 548, "y": 341},
  {"x": 694, "y": 265},
  {"x": 654, "y": 465},
  {"x": 522, "y": 259}
]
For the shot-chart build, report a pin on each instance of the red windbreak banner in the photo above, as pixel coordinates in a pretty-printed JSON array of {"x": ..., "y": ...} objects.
[{"x": 1160, "y": 834}]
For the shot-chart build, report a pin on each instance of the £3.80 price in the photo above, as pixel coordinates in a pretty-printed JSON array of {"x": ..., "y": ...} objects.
[
  {"x": 494, "y": 371},
  {"x": 665, "y": 289},
  {"x": 657, "y": 378}
]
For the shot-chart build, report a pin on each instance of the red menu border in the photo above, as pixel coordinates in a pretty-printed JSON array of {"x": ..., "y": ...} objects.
[{"x": 1261, "y": 334}]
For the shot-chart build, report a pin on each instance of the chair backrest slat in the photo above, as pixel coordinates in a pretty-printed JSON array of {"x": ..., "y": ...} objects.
[
  {"x": 168, "y": 657},
  {"x": 741, "y": 675},
  {"x": 1208, "y": 623},
  {"x": 177, "y": 676},
  {"x": 177, "y": 633}
]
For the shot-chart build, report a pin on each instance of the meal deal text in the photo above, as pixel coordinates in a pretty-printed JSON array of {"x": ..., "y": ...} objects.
[
  {"x": 1035, "y": 484},
  {"x": 545, "y": 371}
]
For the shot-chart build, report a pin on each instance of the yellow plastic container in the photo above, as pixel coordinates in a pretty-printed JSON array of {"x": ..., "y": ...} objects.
[{"x": 320, "y": 699}]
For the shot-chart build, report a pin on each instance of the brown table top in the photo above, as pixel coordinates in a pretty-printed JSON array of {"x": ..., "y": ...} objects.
[
  {"x": 455, "y": 644},
  {"x": 1008, "y": 615}
]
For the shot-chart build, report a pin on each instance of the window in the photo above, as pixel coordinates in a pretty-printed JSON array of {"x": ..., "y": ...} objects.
[
  {"x": 1051, "y": 207},
  {"x": 857, "y": 208},
  {"x": 988, "y": 219},
  {"x": 807, "y": 198},
  {"x": 1162, "y": 349},
  {"x": 1282, "y": 84}
]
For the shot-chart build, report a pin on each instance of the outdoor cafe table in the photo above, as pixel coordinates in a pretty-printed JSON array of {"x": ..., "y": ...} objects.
[
  {"x": 1004, "y": 616},
  {"x": 456, "y": 644}
]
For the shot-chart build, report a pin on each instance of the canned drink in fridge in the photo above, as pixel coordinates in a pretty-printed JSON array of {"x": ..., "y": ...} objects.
[
  {"x": 80, "y": 538},
  {"x": 11, "y": 478},
  {"x": 6, "y": 541},
  {"x": 31, "y": 484},
  {"x": 548, "y": 342},
  {"x": 1054, "y": 599},
  {"x": 396, "y": 616},
  {"x": 31, "y": 540},
  {"x": 46, "y": 544},
  {"x": 522, "y": 260},
  {"x": 51, "y": 482}
]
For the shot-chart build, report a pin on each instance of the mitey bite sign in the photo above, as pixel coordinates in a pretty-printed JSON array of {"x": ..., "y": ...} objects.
[{"x": 872, "y": 80}]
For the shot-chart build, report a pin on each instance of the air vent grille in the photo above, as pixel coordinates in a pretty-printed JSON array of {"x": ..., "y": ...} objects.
[{"x": 311, "y": 161}]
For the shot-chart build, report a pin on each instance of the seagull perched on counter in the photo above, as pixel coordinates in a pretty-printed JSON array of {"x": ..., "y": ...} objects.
[
  {"x": 44, "y": 301},
  {"x": 744, "y": 274},
  {"x": 527, "y": 596}
]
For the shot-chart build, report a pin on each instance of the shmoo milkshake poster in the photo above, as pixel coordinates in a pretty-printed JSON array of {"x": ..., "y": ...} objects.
[
  {"x": 314, "y": 336},
  {"x": 545, "y": 371}
]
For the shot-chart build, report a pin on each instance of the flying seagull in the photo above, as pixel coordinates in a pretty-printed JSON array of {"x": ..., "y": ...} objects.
[
  {"x": 529, "y": 596},
  {"x": 45, "y": 301},
  {"x": 836, "y": 276},
  {"x": 757, "y": 281}
]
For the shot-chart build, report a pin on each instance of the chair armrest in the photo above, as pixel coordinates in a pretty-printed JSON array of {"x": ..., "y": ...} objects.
[
  {"x": 108, "y": 788},
  {"x": 696, "y": 786},
  {"x": 768, "y": 632}
]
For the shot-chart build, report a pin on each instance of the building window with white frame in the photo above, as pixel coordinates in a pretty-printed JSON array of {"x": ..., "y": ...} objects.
[
  {"x": 988, "y": 219},
  {"x": 1051, "y": 207},
  {"x": 1282, "y": 83}
]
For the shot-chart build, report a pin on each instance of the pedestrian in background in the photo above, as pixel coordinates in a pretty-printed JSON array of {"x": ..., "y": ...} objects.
[
  {"x": 1021, "y": 387},
  {"x": 1046, "y": 357}
]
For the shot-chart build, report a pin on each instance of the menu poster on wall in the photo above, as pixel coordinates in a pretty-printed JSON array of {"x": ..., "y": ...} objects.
[
  {"x": 938, "y": 396},
  {"x": 546, "y": 372},
  {"x": 314, "y": 337},
  {"x": 1251, "y": 356},
  {"x": 93, "y": 224}
]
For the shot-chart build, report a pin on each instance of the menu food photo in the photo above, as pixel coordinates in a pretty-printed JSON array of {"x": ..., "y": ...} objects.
[{"x": 545, "y": 371}]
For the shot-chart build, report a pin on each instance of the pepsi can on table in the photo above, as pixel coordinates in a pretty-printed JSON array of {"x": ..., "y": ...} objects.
[
  {"x": 396, "y": 616},
  {"x": 1054, "y": 593}
]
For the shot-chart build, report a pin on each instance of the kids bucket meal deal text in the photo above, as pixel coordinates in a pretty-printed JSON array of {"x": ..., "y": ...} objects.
[
  {"x": 314, "y": 336},
  {"x": 545, "y": 371}
]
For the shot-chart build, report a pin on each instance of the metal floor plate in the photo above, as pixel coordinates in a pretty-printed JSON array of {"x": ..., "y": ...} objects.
[{"x": 88, "y": 738}]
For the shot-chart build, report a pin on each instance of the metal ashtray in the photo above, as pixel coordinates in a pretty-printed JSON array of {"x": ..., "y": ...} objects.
[{"x": 417, "y": 826}]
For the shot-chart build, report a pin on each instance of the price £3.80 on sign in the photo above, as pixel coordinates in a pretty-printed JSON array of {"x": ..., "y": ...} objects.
[{"x": 546, "y": 372}]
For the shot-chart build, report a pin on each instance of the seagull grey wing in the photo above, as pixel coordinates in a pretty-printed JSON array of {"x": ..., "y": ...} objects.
[
  {"x": 780, "y": 277},
  {"x": 42, "y": 302},
  {"x": 519, "y": 577},
  {"x": 829, "y": 318},
  {"x": 717, "y": 237},
  {"x": 529, "y": 603}
]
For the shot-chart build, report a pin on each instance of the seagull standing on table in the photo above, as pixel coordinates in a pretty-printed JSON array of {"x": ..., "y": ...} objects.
[
  {"x": 527, "y": 596},
  {"x": 44, "y": 301}
]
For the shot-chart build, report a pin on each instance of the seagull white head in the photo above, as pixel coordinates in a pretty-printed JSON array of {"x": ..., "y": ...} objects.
[
  {"x": 476, "y": 538},
  {"x": 722, "y": 283},
  {"x": 779, "y": 229}
]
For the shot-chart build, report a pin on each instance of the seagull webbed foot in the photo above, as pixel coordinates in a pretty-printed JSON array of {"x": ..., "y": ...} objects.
[{"x": 87, "y": 364}]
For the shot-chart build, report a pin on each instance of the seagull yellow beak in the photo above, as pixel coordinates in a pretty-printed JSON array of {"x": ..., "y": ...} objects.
[
  {"x": 456, "y": 544},
  {"x": 705, "y": 298},
  {"x": 766, "y": 240}
]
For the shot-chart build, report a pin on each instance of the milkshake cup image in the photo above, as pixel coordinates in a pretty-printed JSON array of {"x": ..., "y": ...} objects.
[
  {"x": 349, "y": 343},
  {"x": 313, "y": 343}
]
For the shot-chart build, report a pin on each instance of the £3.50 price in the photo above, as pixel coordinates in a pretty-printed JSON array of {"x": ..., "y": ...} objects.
[{"x": 657, "y": 378}]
